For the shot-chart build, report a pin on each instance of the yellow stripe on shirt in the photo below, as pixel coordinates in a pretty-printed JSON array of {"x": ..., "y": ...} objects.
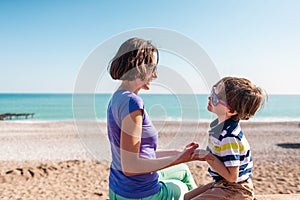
[{"x": 230, "y": 145}]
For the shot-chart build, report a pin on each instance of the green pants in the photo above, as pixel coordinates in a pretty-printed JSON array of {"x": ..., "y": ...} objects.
[{"x": 175, "y": 181}]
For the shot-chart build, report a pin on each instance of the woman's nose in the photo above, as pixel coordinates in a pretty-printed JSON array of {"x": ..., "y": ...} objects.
[{"x": 154, "y": 75}]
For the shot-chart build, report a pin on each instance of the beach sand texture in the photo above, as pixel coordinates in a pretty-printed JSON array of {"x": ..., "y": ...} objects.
[{"x": 50, "y": 160}]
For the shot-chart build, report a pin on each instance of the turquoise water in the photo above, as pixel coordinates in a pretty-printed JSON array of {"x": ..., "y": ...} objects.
[{"x": 159, "y": 106}]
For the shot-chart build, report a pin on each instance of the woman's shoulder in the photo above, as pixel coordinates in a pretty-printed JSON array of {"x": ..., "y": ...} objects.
[{"x": 126, "y": 96}]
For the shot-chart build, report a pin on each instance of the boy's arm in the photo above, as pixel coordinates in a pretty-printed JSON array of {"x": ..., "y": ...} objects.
[{"x": 229, "y": 173}]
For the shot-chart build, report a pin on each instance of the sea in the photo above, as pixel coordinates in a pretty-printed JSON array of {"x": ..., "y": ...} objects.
[{"x": 160, "y": 107}]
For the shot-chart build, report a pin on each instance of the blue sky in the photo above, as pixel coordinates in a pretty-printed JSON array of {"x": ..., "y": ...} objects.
[{"x": 44, "y": 43}]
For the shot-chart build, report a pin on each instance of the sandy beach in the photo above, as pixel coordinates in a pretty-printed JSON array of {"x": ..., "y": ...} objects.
[{"x": 70, "y": 160}]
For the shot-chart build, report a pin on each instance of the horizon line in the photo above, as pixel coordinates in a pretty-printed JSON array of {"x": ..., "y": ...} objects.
[{"x": 143, "y": 93}]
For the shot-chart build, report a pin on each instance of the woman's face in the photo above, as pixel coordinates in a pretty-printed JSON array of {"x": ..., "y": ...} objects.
[{"x": 152, "y": 74}]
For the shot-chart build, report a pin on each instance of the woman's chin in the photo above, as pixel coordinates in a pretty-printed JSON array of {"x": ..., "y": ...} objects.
[{"x": 146, "y": 87}]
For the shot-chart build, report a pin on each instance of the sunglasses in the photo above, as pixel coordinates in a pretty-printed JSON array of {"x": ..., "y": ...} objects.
[
  {"x": 154, "y": 69},
  {"x": 155, "y": 72},
  {"x": 215, "y": 99}
]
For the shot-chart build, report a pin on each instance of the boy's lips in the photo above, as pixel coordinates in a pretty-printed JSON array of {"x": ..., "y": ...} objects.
[{"x": 209, "y": 104}]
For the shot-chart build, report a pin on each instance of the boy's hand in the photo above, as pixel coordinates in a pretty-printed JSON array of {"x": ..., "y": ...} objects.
[{"x": 202, "y": 155}]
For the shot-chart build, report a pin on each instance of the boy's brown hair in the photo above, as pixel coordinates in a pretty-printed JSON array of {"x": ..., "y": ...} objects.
[{"x": 242, "y": 96}]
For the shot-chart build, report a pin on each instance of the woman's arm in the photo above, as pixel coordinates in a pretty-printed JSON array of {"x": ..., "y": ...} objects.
[
  {"x": 163, "y": 153},
  {"x": 130, "y": 143}
]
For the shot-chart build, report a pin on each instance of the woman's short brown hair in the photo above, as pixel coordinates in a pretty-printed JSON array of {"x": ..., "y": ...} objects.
[
  {"x": 133, "y": 59},
  {"x": 242, "y": 96}
]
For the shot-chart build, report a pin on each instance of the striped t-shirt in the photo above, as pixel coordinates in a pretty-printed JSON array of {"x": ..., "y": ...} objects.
[{"x": 228, "y": 143}]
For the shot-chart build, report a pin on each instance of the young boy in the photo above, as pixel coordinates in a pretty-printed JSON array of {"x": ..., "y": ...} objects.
[{"x": 232, "y": 99}]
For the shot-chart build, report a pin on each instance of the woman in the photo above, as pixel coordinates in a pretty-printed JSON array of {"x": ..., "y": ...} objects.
[{"x": 137, "y": 170}]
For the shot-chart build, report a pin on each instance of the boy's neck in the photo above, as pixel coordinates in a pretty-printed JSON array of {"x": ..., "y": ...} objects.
[{"x": 222, "y": 118}]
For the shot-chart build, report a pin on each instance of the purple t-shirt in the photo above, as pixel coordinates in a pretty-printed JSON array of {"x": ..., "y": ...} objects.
[{"x": 121, "y": 104}]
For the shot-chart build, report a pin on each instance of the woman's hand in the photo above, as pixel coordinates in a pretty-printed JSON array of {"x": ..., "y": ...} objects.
[{"x": 187, "y": 153}]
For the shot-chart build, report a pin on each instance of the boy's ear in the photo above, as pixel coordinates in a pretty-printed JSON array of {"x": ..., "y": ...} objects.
[{"x": 230, "y": 113}]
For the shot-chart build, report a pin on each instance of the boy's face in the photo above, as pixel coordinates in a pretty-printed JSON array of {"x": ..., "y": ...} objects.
[{"x": 216, "y": 105}]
